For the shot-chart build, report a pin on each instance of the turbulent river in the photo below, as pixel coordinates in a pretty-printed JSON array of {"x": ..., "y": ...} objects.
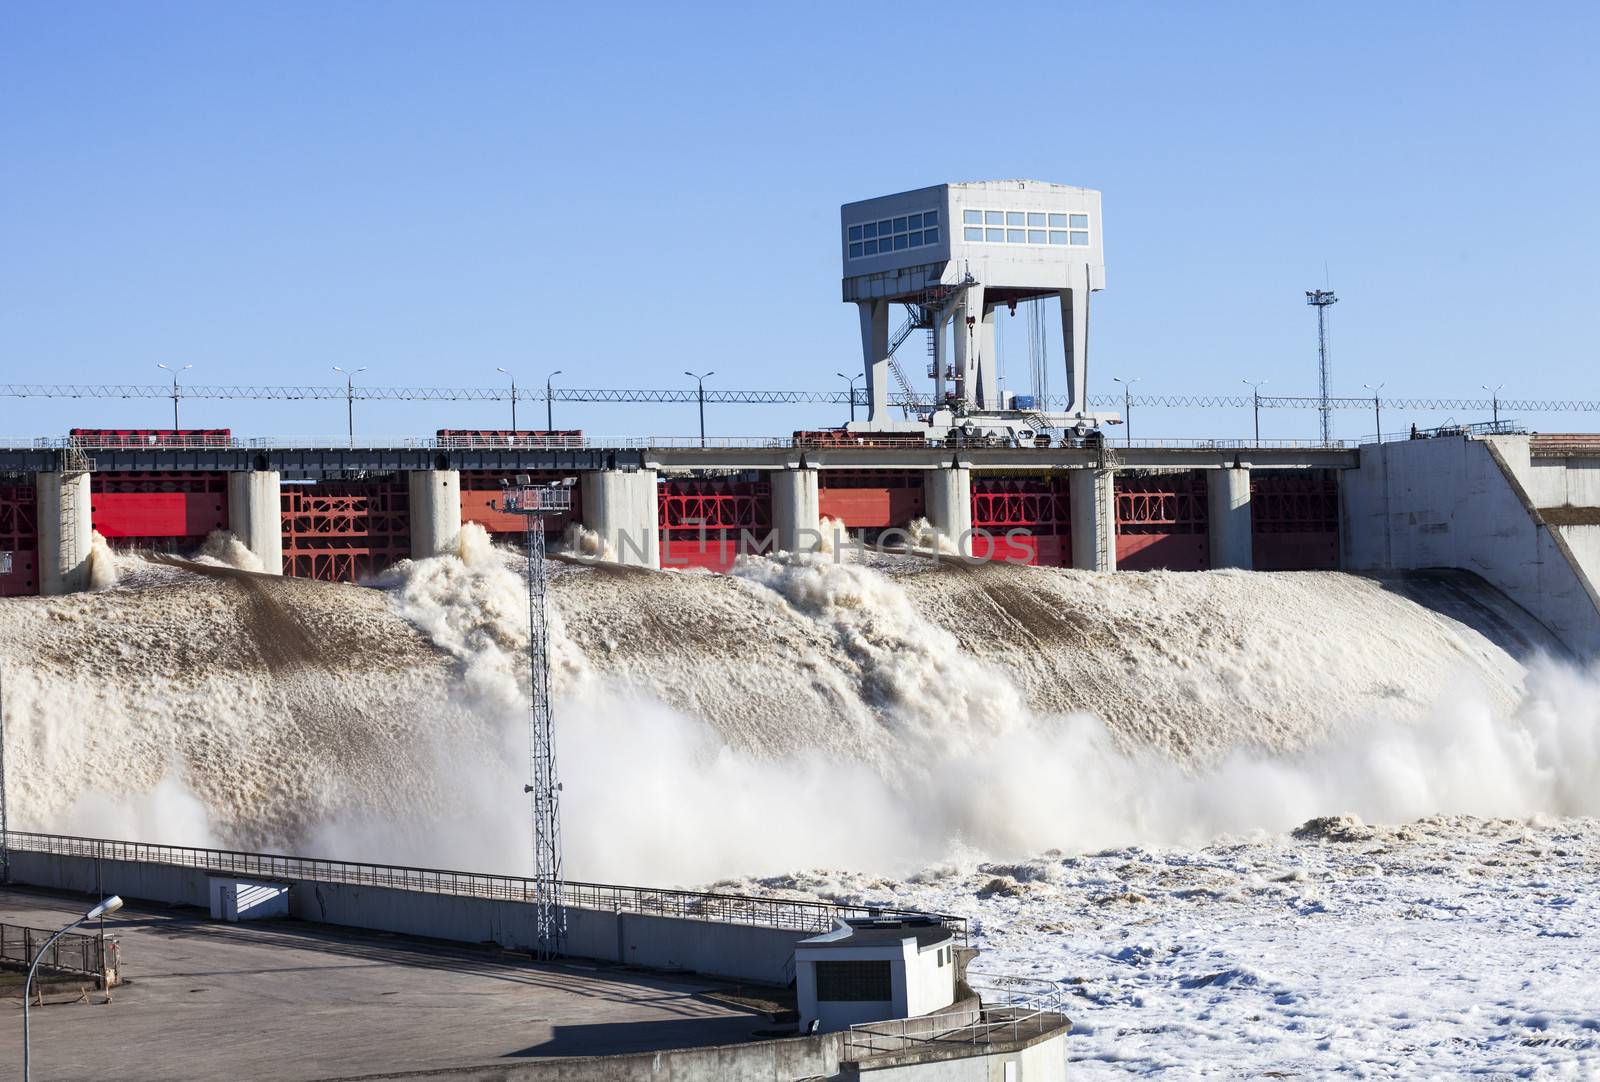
[{"x": 1102, "y": 771}]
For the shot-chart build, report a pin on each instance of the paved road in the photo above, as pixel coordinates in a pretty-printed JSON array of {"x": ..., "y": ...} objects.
[{"x": 284, "y": 1000}]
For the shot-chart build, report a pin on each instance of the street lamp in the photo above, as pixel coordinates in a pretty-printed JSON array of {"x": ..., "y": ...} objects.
[
  {"x": 1255, "y": 390},
  {"x": 513, "y": 397},
  {"x": 1377, "y": 407},
  {"x": 109, "y": 905},
  {"x": 1495, "y": 392},
  {"x": 1127, "y": 405},
  {"x": 350, "y": 399},
  {"x": 174, "y": 372},
  {"x": 851, "y": 380},
  {"x": 701, "y": 381},
  {"x": 549, "y": 421}
]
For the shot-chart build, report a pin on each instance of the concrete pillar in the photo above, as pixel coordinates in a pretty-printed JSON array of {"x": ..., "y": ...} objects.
[
  {"x": 255, "y": 515},
  {"x": 947, "y": 492},
  {"x": 622, "y": 506},
  {"x": 1228, "y": 500},
  {"x": 988, "y": 394},
  {"x": 875, "y": 356},
  {"x": 968, "y": 347},
  {"x": 1093, "y": 496},
  {"x": 65, "y": 527},
  {"x": 435, "y": 512},
  {"x": 796, "y": 514},
  {"x": 1075, "y": 336}
]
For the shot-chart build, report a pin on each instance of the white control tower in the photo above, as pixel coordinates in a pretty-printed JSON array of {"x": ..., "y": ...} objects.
[{"x": 951, "y": 254}]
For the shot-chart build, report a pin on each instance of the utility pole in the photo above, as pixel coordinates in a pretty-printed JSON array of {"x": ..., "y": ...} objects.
[
  {"x": 851, "y": 380},
  {"x": 175, "y": 392},
  {"x": 503, "y": 372},
  {"x": 1495, "y": 393},
  {"x": 350, "y": 399},
  {"x": 1321, "y": 299},
  {"x": 534, "y": 502},
  {"x": 1127, "y": 406},
  {"x": 1377, "y": 407},
  {"x": 549, "y": 414},
  {"x": 701, "y": 381},
  {"x": 1255, "y": 390}
]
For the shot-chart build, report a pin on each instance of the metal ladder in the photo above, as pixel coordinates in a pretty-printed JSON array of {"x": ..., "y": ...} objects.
[
  {"x": 73, "y": 464},
  {"x": 1105, "y": 499}
]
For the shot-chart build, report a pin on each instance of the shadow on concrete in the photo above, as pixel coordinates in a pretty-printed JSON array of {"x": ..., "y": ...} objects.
[
  {"x": 618, "y": 1038},
  {"x": 1468, "y": 599}
]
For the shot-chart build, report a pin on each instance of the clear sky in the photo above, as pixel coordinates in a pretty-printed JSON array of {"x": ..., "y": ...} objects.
[{"x": 437, "y": 189}]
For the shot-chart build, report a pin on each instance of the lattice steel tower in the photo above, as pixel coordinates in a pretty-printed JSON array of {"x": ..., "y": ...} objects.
[
  {"x": 534, "y": 502},
  {"x": 1320, "y": 299}
]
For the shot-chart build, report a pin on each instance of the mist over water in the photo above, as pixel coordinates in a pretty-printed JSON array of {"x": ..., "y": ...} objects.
[{"x": 799, "y": 713}]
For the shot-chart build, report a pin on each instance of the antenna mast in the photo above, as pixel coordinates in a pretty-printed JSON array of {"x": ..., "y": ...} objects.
[
  {"x": 1320, "y": 299},
  {"x": 534, "y": 502}
]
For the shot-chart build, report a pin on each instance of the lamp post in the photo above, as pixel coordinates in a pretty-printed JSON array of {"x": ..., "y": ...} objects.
[
  {"x": 851, "y": 380},
  {"x": 1127, "y": 406},
  {"x": 109, "y": 905},
  {"x": 1495, "y": 394},
  {"x": 503, "y": 372},
  {"x": 549, "y": 422},
  {"x": 701, "y": 382},
  {"x": 350, "y": 399},
  {"x": 1255, "y": 391},
  {"x": 175, "y": 391},
  {"x": 1377, "y": 407}
]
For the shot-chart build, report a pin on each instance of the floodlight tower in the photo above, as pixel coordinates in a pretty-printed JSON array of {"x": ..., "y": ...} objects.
[
  {"x": 534, "y": 502},
  {"x": 1320, "y": 299}
]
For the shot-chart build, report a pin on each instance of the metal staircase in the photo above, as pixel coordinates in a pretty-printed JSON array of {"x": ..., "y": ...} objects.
[{"x": 73, "y": 463}]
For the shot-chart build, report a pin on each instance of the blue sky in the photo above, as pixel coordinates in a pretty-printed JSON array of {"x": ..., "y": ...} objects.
[{"x": 435, "y": 190}]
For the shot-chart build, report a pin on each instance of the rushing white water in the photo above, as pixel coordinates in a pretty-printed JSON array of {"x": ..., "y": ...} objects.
[{"x": 801, "y": 712}]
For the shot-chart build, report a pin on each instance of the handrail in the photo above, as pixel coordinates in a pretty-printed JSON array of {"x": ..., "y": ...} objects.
[{"x": 783, "y": 913}]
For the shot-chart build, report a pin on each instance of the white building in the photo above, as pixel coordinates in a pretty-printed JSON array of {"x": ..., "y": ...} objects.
[
  {"x": 954, "y": 254},
  {"x": 874, "y": 969}
]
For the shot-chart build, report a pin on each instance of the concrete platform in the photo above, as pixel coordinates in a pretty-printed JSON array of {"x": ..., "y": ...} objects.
[{"x": 286, "y": 1000}]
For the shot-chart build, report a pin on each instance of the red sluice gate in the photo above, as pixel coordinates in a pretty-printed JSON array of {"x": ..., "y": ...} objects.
[
  {"x": 1163, "y": 523},
  {"x": 1295, "y": 521},
  {"x": 19, "y": 535},
  {"x": 1039, "y": 506},
  {"x": 709, "y": 523},
  {"x": 345, "y": 531},
  {"x": 169, "y": 511}
]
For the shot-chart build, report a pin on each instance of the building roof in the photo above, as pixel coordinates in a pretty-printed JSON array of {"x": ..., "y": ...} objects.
[{"x": 878, "y": 932}]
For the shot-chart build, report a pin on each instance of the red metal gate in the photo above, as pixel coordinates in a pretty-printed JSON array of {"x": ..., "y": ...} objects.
[
  {"x": 345, "y": 531},
  {"x": 481, "y": 492},
  {"x": 168, "y": 511},
  {"x": 1041, "y": 506},
  {"x": 1295, "y": 521},
  {"x": 708, "y": 523},
  {"x": 19, "y": 535},
  {"x": 870, "y": 499},
  {"x": 1162, "y": 523}
]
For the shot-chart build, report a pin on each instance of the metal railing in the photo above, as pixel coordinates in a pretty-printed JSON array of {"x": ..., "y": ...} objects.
[
  {"x": 1013, "y": 1008},
  {"x": 73, "y": 953},
  {"x": 184, "y": 442},
  {"x": 781, "y": 913}
]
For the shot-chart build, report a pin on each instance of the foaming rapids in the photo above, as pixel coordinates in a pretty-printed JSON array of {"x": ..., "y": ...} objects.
[{"x": 802, "y": 712}]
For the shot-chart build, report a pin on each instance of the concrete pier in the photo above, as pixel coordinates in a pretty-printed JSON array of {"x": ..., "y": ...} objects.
[
  {"x": 1093, "y": 496},
  {"x": 796, "y": 514},
  {"x": 1228, "y": 500},
  {"x": 622, "y": 507},
  {"x": 65, "y": 529},
  {"x": 255, "y": 515},
  {"x": 435, "y": 512},
  {"x": 947, "y": 493}
]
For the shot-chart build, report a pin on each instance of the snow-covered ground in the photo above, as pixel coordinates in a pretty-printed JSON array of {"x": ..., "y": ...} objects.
[{"x": 1449, "y": 947}]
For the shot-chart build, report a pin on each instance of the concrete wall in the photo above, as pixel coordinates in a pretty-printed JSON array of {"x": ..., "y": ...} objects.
[
  {"x": 65, "y": 530},
  {"x": 947, "y": 494},
  {"x": 796, "y": 514},
  {"x": 622, "y": 506},
  {"x": 435, "y": 512},
  {"x": 1229, "y": 518},
  {"x": 1457, "y": 502},
  {"x": 255, "y": 515},
  {"x": 1045, "y": 1061},
  {"x": 734, "y": 951},
  {"x": 1093, "y": 498}
]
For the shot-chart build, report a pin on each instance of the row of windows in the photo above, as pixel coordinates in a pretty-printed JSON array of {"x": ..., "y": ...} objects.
[
  {"x": 894, "y": 234},
  {"x": 1024, "y": 227},
  {"x": 854, "y": 982}
]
